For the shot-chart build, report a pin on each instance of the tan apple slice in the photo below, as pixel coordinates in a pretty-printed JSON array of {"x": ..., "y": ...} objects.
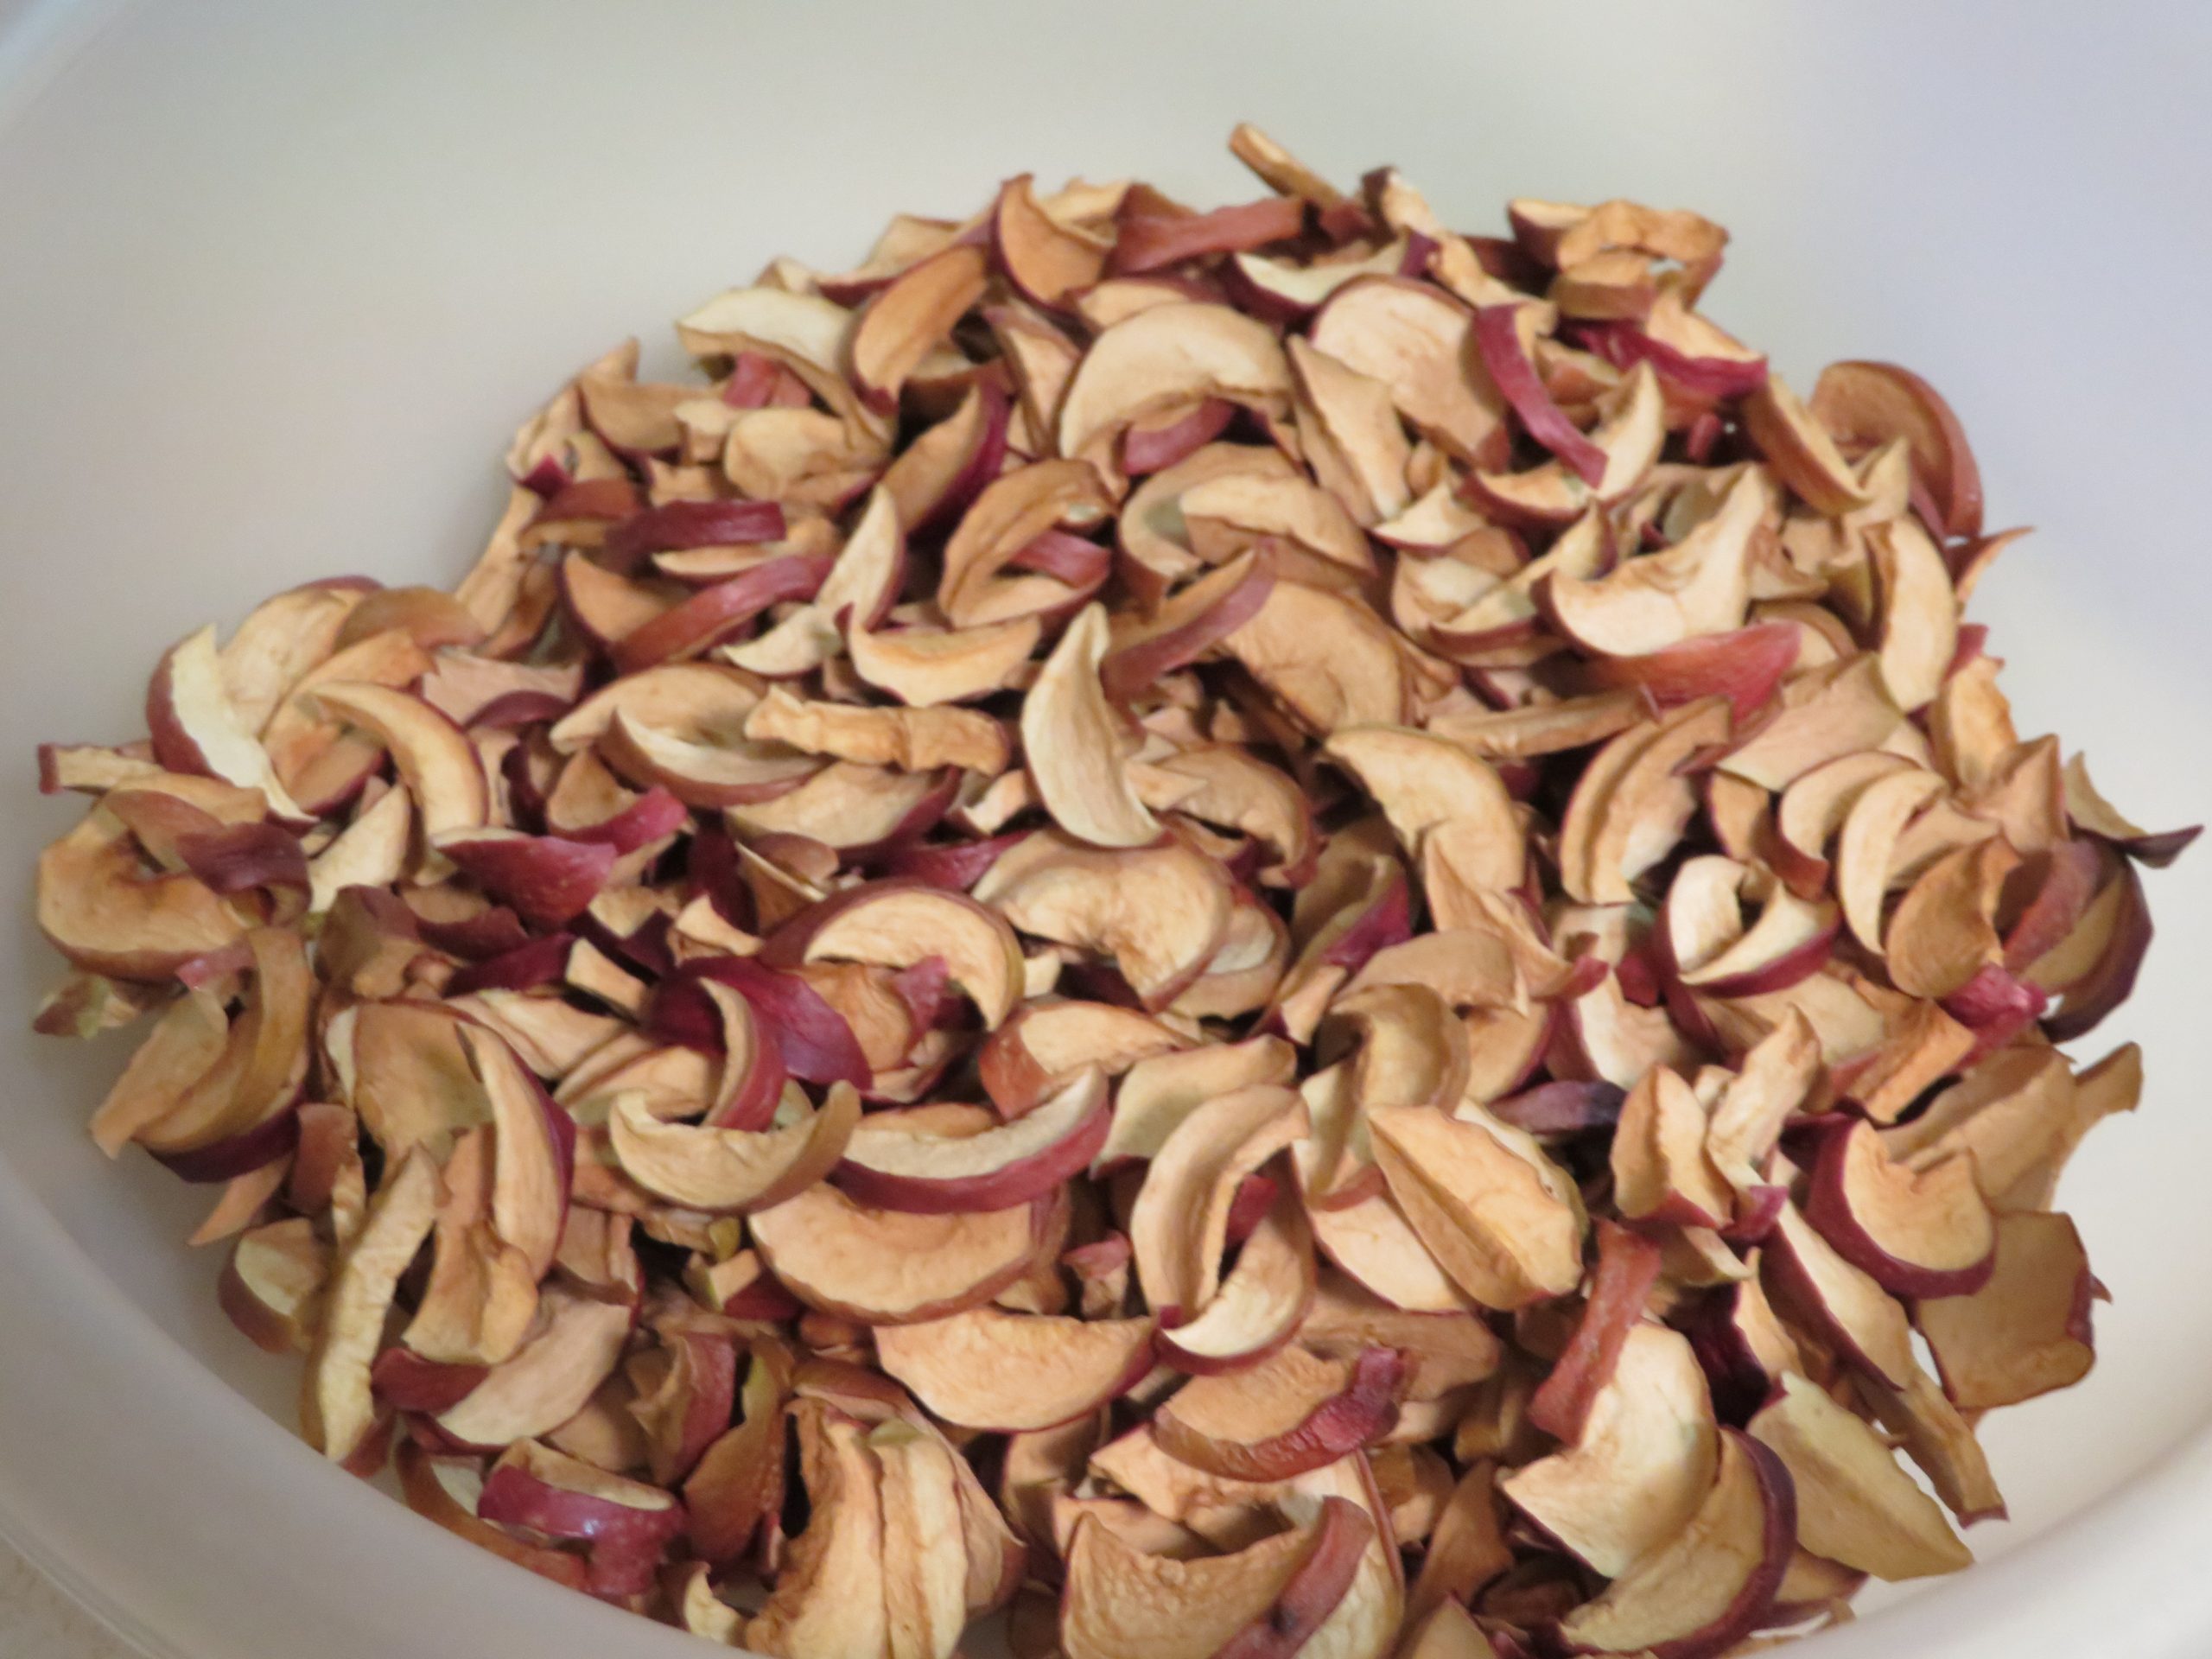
[
  {"x": 1878, "y": 812},
  {"x": 1700, "y": 586},
  {"x": 272, "y": 1286},
  {"x": 731, "y": 1171},
  {"x": 1329, "y": 658},
  {"x": 1854, "y": 1505},
  {"x": 1262, "y": 1302},
  {"x": 1349, "y": 426},
  {"x": 1448, "y": 1632},
  {"x": 577, "y": 1344},
  {"x": 1158, "y": 1092},
  {"x": 1703, "y": 1590},
  {"x": 1942, "y": 933},
  {"x": 976, "y": 587},
  {"x": 219, "y": 1126},
  {"x": 337, "y": 1409},
  {"x": 803, "y": 332},
  {"x": 1611, "y": 836},
  {"x": 196, "y": 728},
  {"x": 828, "y": 1596},
  {"x": 1160, "y": 913},
  {"x": 1044, "y": 1045},
  {"x": 1225, "y": 515},
  {"x": 1644, "y": 1461},
  {"x": 996, "y": 1169},
  {"x": 99, "y": 907},
  {"x": 701, "y": 702},
  {"x": 1922, "y": 1418},
  {"x": 1554, "y": 493},
  {"x": 534, "y": 1150},
  {"x": 1264, "y": 1602},
  {"x": 911, "y": 739},
  {"x": 1074, "y": 745},
  {"x": 1293, "y": 1413},
  {"x": 2090, "y": 811},
  {"x": 897, "y": 925},
  {"x": 2027, "y": 1331},
  {"x": 1427, "y": 785},
  {"x": 1045, "y": 259},
  {"x": 1418, "y": 343},
  {"x": 1162, "y": 357},
  {"x": 1497, "y": 1215},
  {"x": 991, "y": 1370},
  {"x": 1773, "y": 1080},
  {"x": 434, "y": 758},
  {"x": 1814, "y": 1288},
  {"x": 927, "y": 668},
  {"x": 1179, "y": 1223},
  {"x": 1661, "y": 1168},
  {"x": 1920, "y": 1234},
  {"x": 924, "y": 1556},
  {"x": 916, "y": 313},
  {"x": 1825, "y": 713},
  {"x": 1801, "y": 454},
  {"x": 1920, "y": 612},
  {"x": 886, "y": 1267},
  {"x": 1873, "y": 404}
]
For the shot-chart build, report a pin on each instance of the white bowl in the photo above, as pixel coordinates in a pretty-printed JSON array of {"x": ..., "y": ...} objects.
[{"x": 279, "y": 278}]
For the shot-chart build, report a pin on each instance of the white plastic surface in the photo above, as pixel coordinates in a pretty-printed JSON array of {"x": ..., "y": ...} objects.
[{"x": 279, "y": 278}]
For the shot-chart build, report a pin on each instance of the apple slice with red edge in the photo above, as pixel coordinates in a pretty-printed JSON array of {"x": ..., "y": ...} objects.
[
  {"x": 1263, "y": 1303},
  {"x": 576, "y": 1347},
  {"x": 1293, "y": 1413},
  {"x": 534, "y": 1150},
  {"x": 196, "y": 728},
  {"x": 1628, "y": 1270},
  {"x": 1868, "y": 405},
  {"x": 1179, "y": 1223},
  {"x": 1812, "y": 1284},
  {"x": 994, "y": 1170},
  {"x": 885, "y": 1267},
  {"x": 991, "y": 1370},
  {"x": 1706, "y": 1588},
  {"x": 535, "y": 1487},
  {"x": 897, "y": 925},
  {"x": 434, "y": 758},
  {"x": 2027, "y": 1329},
  {"x": 1917, "y": 1233},
  {"x": 548, "y": 880},
  {"x": 1502, "y": 335},
  {"x": 731, "y": 1171}
]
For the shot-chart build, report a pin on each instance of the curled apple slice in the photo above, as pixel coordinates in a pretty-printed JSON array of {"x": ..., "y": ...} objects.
[
  {"x": 1554, "y": 493},
  {"x": 2026, "y": 1330},
  {"x": 272, "y": 1286},
  {"x": 1627, "y": 1269},
  {"x": 899, "y": 926},
  {"x": 914, "y": 314},
  {"x": 1642, "y": 1466},
  {"x": 577, "y": 1344},
  {"x": 1075, "y": 747},
  {"x": 1179, "y": 1223},
  {"x": 98, "y": 907},
  {"x": 536, "y": 1487},
  {"x": 1499, "y": 1217},
  {"x": 1919, "y": 1233},
  {"x": 991, "y": 1370},
  {"x": 1270, "y": 1599},
  {"x": 885, "y": 1265},
  {"x": 435, "y": 759},
  {"x": 1293, "y": 1413},
  {"x": 1700, "y": 586},
  {"x": 1812, "y": 1284},
  {"x": 1159, "y": 358},
  {"x": 924, "y": 1556},
  {"x": 926, "y": 668},
  {"x": 731, "y": 1171},
  {"x": 1801, "y": 454},
  {"x": 996, "y": 1169},
  {"x": 1419, "y": 343},
  {"x": 829, "y": 1596},
  {"x": 1707, "y": 1587},
  {"x": 1662, "y": 1171},
  {"x": 1043, "y": 1047},
  {"x": 1873, "y": 404},
  {"x": 534, "y": 1150},
  {"x": 197, "y": 729},
  {"x": 337, "y": 1408},
  {"x": 1854, "y": 1505},
  {"x": 1262, "y": 1302}
]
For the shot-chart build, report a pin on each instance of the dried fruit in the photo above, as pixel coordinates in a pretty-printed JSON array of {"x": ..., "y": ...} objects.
[{"x": 1124, "y": 818}]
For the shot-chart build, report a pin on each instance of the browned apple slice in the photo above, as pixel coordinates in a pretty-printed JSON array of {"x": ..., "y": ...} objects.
[
  {"x": 1918, "y": 1233},
  {"x": 98, "y": 907},
  {"x": 1164, "y": 357},
  {"x": 1180, "y": 1220},
  {"x": 991, "y": 1370},
  {"x": 434, "y": 758},
  {"x": 1263, "y": 1300},
  {"x": 2027, "y": 1329},
  {"x": 994, "y": 1170},
  {"x": 337, "y": 1408},
  {"x": 577, "y": 1346},
  {"x": 1854, "y": 1505},
  {"x": 1703, "y": 1590},
  {"x": 1418, "y": 343},
  {"x": 1499, "y": 1217},
  {"x": 1700, "y": 586},
  {"x": 1159, "y": 1092},
  {"x": 1426, "y": 787},
  {"x": 1813, "y": 1285},
  {"x": 884, "y": 1266},
  {"x": 1329, "y": 659},
  {"x": 829, "y": 1596},
  {"x": 1293, "y": 1413},
  {"x": 1642, "y": 1464},
  {"x": 1872, "y": 403},
  {"x": 1825, "y": 713},
  {"x": 1802, "y": 455},
  {"x": 911, "y": 739},
  {"x": 1075, "y": 747},
  {"x": 2090, "y": 811},
  {"x": 733, "y": 1171},
  {"x": 1160, "y": 913},
  {"x": 1262, "y": 1603},
  {"x": 897, "y": 925}
]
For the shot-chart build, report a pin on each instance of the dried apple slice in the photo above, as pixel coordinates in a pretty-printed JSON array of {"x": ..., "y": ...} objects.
[
  {"x": 1662, "y": 1171},
  {"x": 1329, "y": 658},
  {"x": 1703, "y": 1590},
  {"x": 98, "y": 907},
  {"x": 976, "y": 587},
  {"x": 990, "y": 1370},
  {"x": 1075, "y": 747},
  {"x": 887, "y": 1266},
  {"x": 1429, "y": 788},
  {"x": 196, "y": 728},
  {"x": 896, "y": 926},
  {"x": 1919, "y": 1233},
  {"x": 1854, "y": 1505},
  {"x": 731, "y": 1171},
  {"x": 577, "y": 1344},
  {"x": 1180, "y": 1220},
  {"x": 926, "y": 668},
  {"x": 1163, "y": 357},
  {"x": 924, "y": 1556},
  {"x": 272, "y": 1286},
  {"x": 1642, "y": 1464},
  {"x": 1556, "y": 493},
  {"x": 1262, "y": 1302},
  {"x": 829, "y": 1596},
  {"x": 1700, "y": 586},
  {"x": 434, "y": 758},
  {"x": 1802, "y": 455},
  {"x": 914, "y": 314},
  {"x": 337, "y": 1408},
  {"x": 2026, "y": 1330},
  {"x": 1293, "y": 1413},
  {"x": 1418, "y": 343},
  {"x": 994, "y": 1170},
  {"x": 1869, "y": 404},
  {"x": 1813, "y": 1286},
  {"x": 1264, "y": 1602},
  {"x": 1499, "y": 1217},
  {"x": 1627, "y": 1269}
]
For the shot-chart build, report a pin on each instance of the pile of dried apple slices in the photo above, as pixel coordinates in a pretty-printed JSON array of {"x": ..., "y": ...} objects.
[{"x": 1247, "y": 932}]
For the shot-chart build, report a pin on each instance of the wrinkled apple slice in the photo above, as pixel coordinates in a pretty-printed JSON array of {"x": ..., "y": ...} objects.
[
  {"x": 1293, "y": 1413},
  {"x": 885, "y": 1265},
  {"x": 1166, "y": 356},
  {"x": 829, "y": 1596},
  {"x": 731, "y": 1171},
  {"x": 1854, "y": 1505},
  {"x": 1700, "y": 586},
  {"x": 991, "y": 1370},
  {"x": 1703, "y": 1590},
  {"x": 993, "y": 1170},
  {"x": 1420, "y": 343},
  {"x": 577, "y": 1344},
  {"x": 1180, "y": 1220},
  {"x": 1262, "y": 1302},
  {"x": 926, "y": 668},
  {"x": 1662, "y": 1171},
  {"x": 924, "y": 1556},
  {"x": 1073, "y": 743},
  {"x": 2026, "y": 1330},
  {"x": 896, "y": 926},
  {"x": 1556, "y": 493},
  {"x": 1497, "y": 1215},
  {"x": 1919, "y": 1233},
  {"x": 1844, "y": 1306},
  {"x": 1642, "y": 1464}
]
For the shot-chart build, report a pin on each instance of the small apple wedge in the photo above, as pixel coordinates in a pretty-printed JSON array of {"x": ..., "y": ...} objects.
[
  {"x": 1707, "y": 1587},
  {"x": 574, "y": 1347},
  {"x": 2027, "y": 1329},
  {"x": 434, "y": 758},
  {"x": 946, "y": 1174},
  {"x": 1164, "y": 357},
  {"x": 1004, "y": 1372},
  {"x": 1800, "y": 453},
  {"x": 1662, "y": 1171},
  {"x": 1925, "y": 1233},
  {"x": 543, "y": 1490},
  {"x": 1845, "y": 1308},
  {"x": 1854, "y": 1505},
  {"x": 1293, "y": 1413},
  {"x": 1870, "y": 404},
  {"x": 900, "y": 326},
  {"x": 1262, "y": 1302},
  {"x": 1179, "y": 1223},
  {"x": 731, "y": 1171},
  {"x": 887, "y": 1267}
]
